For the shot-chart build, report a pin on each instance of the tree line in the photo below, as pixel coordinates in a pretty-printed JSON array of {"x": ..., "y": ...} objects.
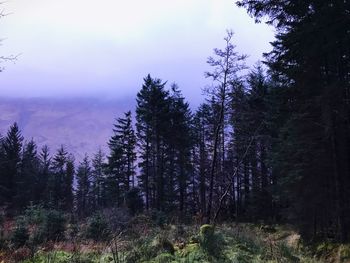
[{"x": 269, "y": 144}]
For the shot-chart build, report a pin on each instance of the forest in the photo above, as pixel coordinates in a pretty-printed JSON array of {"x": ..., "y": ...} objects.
[{"x": 266, "y": 156}]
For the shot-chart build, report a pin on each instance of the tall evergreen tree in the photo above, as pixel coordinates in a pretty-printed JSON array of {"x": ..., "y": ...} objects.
[
  {"x": 179, "y": 143},
  {"x": 122, "y": 157},
  {"x": 28, "y": 176},
  {"x": 61, "y": 181},
  {"x": 83, "y": 178},
  {"x": 12, "y": 145},
  {"x": 203, "y": 138},
  {"x": 42, "y": 187},
  {"x": 310, "y": 60},
  {"x": 98, "y": 174},
  {"x": 152, "y": 115}
]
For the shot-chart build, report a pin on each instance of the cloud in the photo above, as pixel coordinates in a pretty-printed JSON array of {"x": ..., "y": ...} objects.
[{"x": 74, "y": 47}]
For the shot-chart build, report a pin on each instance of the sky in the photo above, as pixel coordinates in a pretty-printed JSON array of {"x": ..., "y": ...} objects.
[{"x": 104, "y": 48}]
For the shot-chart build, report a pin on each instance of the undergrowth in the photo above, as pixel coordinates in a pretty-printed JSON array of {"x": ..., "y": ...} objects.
[{"x": 43, "y": 238}]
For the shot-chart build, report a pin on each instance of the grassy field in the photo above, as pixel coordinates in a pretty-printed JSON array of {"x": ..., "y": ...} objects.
[
  {"x": 244, "y": 243},
  {"x": 50, "y": 236}
]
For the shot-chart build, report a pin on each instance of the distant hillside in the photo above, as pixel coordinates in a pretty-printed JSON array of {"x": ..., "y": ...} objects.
[{"x": 82, "y": 125}]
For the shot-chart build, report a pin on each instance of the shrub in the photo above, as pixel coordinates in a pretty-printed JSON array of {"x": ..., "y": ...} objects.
[
  {"x": 159, "y": 217},
  {"x": 97, "y": 228},
  {"x": 210, "y": 242},
  {"x": 164, "y": 258},
  {"x": 35, "y": 214},
  {"x": 118, "y": 219},
  {"x": 20, "y": 234},
  {"x": 162, "y": 244},
  {"x": 53, "y": 226}
]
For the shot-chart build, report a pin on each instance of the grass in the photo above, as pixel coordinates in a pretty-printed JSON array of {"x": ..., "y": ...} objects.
[{"x": 234, "y": 243}]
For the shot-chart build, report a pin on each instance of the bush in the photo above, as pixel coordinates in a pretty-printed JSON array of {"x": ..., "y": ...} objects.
[
  {"x": 210, "y": 242},
  {"x": 97, "y": 228},
  {"x": 163, "y": 244},
  {"x": 159, "y": 217},
  {"x": 20, "y": 234},
  {"x": 53, "y": 226},
  {"x": 35, "y": 214},
  {"x": 118, "y": 219},
  {"x": 164, "y": 258}
]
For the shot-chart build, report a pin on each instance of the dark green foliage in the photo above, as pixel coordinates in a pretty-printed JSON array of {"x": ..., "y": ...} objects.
[
  {"x": 310, "y": 63},
  {"x": 11, "y": 147},
  {"x": 210, "y": 241},
  {"x": 83, "y": 193},
  {"x": 27, "y": 182},
  {"x": 163, "y": 245},
  {"x": 134, "y": 201},
  {"x": 97, "y": 227},
  {"x": 121, "y": 162},
  {"x": 60, "y": 185},
  {"x": 53, "y": 226},
  {"x": 159, "y": 218},
  {"x": 152, "y": 114},
  {"x": 35, "y": 214},
  {"x": 20, "y": 234},
  {"x": 272, "y": 145},
  {"x": 163, "y": 130},
  {"x": 98, "y": 187}
]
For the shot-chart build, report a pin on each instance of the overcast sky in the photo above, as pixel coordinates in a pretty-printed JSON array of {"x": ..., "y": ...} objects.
[{"x": 104, "y": 48}]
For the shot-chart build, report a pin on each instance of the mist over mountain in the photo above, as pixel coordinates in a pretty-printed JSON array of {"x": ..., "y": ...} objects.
[{"x": 82, "y": 125}]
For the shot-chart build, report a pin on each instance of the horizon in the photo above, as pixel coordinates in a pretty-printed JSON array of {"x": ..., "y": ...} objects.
[{"x": 109, "y": 55}]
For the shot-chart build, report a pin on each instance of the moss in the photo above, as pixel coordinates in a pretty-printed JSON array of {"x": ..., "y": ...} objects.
[
  {"x": 212, "y": 243},
  {"x": 344, "y": 253},
  {"x": 194, "y": 240},
  {"x": 164, "y": 258},
  {"x": 325, "y": 250},
  {"x": 54, "y": 256},
  {"x": 192, "y": 253},
  {"x": 190, "y": 248},
  {"x": 162, "y": 244},
  {"x": 206, "y": 231}
]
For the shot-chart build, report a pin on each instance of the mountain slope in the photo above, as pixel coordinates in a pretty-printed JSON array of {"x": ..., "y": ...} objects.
[{"x": 82, "y": 125}]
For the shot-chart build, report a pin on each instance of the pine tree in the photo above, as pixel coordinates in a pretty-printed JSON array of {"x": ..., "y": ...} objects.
[
  {"x": 98, "y": 180},
  {"x": 42, "y": 187},
  {"x": 122, "y": 147},
  {"x": 178, "y": 154},
  {"x": 28, "y": 176},
  {"x": 61, "y": 181},
  {"x": 152, "y": 114},
  {"x": 310, "y": 61},
  {"x": 12, "y": 145},
  {"x": 83, "y": 178},
  {"x": 121, "y": 161},
  {"x": 68, "y": 184},
  {"x": 202, "y": 138}
]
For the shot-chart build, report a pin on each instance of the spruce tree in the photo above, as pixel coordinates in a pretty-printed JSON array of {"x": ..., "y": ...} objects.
[
  {"x": 83, "y": 178},
  {"x": 98, "y": 180},
  {"x": 179, "y": 143},
  {"x": 152, "y": 115},
  {"x": 12, "y": 147},
  {"x": 310, "y": 62},
  {"x": 121, "y": 161},
  {"x": 28, "y": 177}
]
